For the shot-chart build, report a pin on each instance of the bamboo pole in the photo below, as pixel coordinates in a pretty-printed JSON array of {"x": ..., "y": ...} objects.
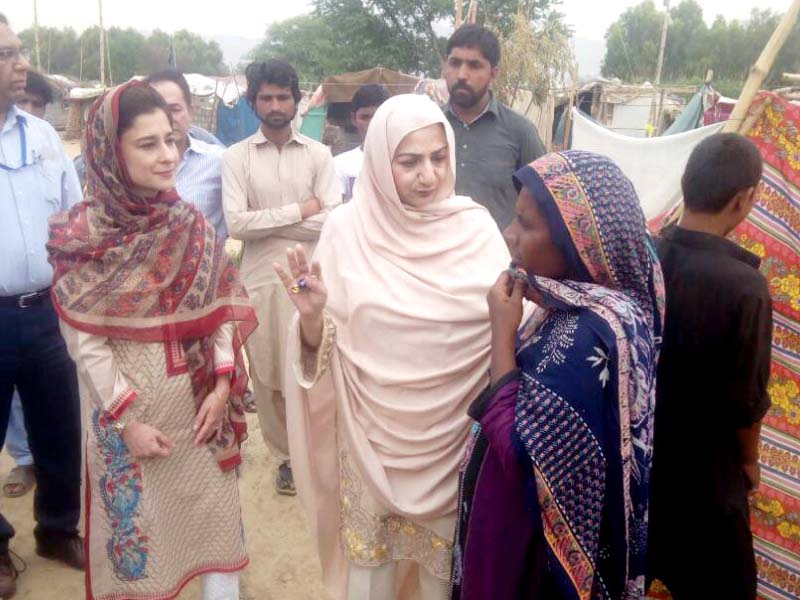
[
  {"x": 36, "y": 35},
  {"x": 102, "y": 47},
  {"x": 459, "y": 13},
  {"x": 573, "y": 92},
  {"x": 760, "y": 70},
  {"x": 755, "y": 116}
]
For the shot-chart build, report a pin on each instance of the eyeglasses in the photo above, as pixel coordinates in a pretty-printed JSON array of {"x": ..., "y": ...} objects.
[{"x": 8, "y": 54}]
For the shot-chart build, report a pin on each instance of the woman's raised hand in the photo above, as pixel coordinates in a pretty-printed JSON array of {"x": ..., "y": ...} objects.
[{"x": 306, "y": 290}]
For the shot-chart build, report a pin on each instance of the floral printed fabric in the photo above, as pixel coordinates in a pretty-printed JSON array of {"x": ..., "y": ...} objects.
[{"x": 773, "y": 233}]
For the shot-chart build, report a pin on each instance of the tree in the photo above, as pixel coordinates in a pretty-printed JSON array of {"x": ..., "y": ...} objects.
[
  {"x": 316, "y": 48},
  {"x": 632, "y": 43},
  {"x": 130, "y": 52},
  {"x": 59, "y": 48},
  {"x": 351, "y": 35},
  {"x": 730, "y": 48}
]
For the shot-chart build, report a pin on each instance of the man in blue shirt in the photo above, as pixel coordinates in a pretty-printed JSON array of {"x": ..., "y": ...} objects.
[
  {"x": 199, "y": 176},
  {"x": 21, "y": 479},
  {"x": 36, "y": 182}
]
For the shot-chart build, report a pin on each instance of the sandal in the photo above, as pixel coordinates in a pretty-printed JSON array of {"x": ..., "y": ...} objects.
[
  {"x": 284, "y": 480},
  {"x": 19, "y": 482}
]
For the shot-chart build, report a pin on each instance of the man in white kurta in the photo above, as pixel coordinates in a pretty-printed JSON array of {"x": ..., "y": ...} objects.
[{"x": 277, "y": 188}]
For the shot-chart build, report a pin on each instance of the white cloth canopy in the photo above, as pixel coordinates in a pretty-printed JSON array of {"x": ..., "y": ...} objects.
[{"x": 654, "y": 165}]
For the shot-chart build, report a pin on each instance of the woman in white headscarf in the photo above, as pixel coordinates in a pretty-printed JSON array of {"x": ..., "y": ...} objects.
[{"x": 385, "y": 357}]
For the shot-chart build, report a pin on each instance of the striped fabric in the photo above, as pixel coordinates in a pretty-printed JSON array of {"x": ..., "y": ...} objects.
[
  {"x": 199, "y": 181},
  {"x": 773, "y": 232}
]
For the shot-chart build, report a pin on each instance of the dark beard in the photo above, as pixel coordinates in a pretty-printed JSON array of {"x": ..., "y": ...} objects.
[
  {"x": 275, "y": 124},
  {"x": 465, "y": 98}
]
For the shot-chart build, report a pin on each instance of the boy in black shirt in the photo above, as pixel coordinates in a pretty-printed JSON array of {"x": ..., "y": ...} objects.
[{"x": 712, "y": 382}]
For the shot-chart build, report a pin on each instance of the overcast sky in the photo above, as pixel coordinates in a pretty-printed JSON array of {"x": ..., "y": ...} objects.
[{"x": 249, "y": 18}]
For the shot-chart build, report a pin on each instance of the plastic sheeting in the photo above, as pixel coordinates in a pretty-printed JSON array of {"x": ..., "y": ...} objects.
[{"x": 654, "y": 165}]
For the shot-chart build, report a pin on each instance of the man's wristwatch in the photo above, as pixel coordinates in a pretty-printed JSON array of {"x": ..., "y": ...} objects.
[{"x": 120, "y": 424}]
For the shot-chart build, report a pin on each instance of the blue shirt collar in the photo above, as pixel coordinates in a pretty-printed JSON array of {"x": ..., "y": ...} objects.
[
  {"x": 197, "y": 146},
  {"x": 14, "y": 116}
]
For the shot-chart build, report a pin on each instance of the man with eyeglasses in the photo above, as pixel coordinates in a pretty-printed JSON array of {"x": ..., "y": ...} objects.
[{"x": 36, "y": 182}]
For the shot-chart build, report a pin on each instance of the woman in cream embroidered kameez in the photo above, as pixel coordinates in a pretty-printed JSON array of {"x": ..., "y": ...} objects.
[
  {"x": 381, "y": 378},
  {"x": 154, "y": 316}
]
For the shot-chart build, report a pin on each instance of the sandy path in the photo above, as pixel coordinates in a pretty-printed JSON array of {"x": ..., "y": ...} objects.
[{"x": 283, "y": 564}]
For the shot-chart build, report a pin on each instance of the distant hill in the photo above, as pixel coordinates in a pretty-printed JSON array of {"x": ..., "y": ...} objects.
[
  {"x": 234, "y": 48},
  {"x": 589, "y": 54}
]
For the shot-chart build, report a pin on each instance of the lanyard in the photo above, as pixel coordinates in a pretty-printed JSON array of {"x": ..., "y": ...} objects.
[{"x": 23, "y": 144}]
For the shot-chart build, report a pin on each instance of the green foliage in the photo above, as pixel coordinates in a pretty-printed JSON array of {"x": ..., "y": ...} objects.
[
  {"x": 730, "y": 48},
  {"x": 130, "y": 52},
  {"x": 350, "y": 35}
]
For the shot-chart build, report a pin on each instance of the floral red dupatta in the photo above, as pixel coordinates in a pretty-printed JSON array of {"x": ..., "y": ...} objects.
[{"x": 149, "y": 270}]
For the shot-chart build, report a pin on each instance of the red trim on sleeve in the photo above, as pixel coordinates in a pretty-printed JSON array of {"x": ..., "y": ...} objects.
[{"x": 122, "y": 403}]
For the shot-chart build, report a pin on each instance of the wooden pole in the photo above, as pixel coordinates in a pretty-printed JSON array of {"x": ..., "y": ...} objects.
[
  {"x": 36, "y": 35},
  {"x": 760, "y": 70},
  {"x": 459, "y": 13},
  {"x": 102, "y": 47},
  {"x": 656, "y": 112},
  {"x": 108, "y": 59},
  {"x": 80, "y": 76},
  {"x": 663, "y": 45},
  {"x": 472, "y": 15},
  {"x": 573, "y": 92}
]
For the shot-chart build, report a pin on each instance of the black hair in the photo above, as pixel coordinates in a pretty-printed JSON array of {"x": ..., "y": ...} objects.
[
  {"x": 475, "y": 36},
  {"x": 369, "y": 95},
  {"x": 276, "y": 72},
  {"x": 3, "y": 19},
  {"x": 136, "y": 100},
  {"x": 719, "y": 167},
  {"x": 175, "y": 77},
  {"x": 37, "y": 85}
]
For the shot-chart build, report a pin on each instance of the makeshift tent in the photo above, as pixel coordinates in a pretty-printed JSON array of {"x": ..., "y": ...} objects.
[
  {"x": 773, "y": 232},
  {"x": 236, "y": 122},
  {"x": 341, "y": 88},
  {"x": 314, "y": 123},
  {"x": 691, "y": 117},
  {"x": 654, "y": 165}
]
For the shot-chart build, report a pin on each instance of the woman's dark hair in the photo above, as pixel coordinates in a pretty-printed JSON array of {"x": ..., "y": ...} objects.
[
  {"x": 475, "y": 36},
  {"x": 172, "y": 76},
  {"x": 274, "y": 72},
  {"x": 369, "y": 95},
  {"x": 139, "y": 99},
  {"x": 720, "y": 167}
]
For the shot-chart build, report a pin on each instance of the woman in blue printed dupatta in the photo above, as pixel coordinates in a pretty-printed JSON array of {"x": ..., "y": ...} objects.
[{"x": 554, "y": 492}]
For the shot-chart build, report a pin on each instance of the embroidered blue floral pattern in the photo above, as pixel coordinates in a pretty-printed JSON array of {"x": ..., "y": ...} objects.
[{"x": 121, "y": 492}]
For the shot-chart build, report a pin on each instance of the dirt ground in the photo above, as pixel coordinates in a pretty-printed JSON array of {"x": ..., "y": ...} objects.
[{"x": 283, "y": 563}]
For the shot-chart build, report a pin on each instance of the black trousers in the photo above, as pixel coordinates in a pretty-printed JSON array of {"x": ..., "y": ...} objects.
[
  {"x": 704, "y": 557},
  {"x": 34, "y": 358}
]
